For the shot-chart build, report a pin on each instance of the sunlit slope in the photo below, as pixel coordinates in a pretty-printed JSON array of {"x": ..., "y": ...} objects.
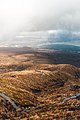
[{"x": 40, "y": 83}]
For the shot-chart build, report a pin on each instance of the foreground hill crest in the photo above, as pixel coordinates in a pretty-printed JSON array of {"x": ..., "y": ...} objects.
[{"x": 30, "y": 90}]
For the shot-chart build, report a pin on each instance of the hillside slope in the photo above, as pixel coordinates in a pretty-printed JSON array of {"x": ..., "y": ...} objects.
[{"x": 43, "y": 91}]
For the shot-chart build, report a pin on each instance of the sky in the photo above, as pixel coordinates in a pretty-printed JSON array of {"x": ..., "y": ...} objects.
[{"x": 38, "y": 15}]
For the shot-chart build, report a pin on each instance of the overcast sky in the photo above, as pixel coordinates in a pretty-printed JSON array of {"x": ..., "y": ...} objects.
[{"x": 26, "y": 15}]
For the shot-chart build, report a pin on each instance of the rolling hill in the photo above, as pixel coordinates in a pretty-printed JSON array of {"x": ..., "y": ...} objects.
[{"x": 41, "y": 91}]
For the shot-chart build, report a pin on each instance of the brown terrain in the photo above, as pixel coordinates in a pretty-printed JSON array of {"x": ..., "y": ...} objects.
[{"x": 39, "y": 85}]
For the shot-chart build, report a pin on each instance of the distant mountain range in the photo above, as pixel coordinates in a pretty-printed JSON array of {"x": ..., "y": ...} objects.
[
  {"x": 63, "y": 47},
  {"x": 42, "y": 39}
]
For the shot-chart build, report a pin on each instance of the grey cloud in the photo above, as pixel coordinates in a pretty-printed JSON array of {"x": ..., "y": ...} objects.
[{"x": 35, "y": 15}]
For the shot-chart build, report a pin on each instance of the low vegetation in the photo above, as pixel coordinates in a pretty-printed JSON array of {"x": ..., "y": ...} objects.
[{"x": 35, "y": 91}]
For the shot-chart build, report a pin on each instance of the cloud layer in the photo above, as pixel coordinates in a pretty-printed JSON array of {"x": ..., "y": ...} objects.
[{"x": 36, "y": 15}]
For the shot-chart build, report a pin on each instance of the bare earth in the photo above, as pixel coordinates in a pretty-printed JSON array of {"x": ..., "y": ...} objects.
[{"x": 39, "y": 85}]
